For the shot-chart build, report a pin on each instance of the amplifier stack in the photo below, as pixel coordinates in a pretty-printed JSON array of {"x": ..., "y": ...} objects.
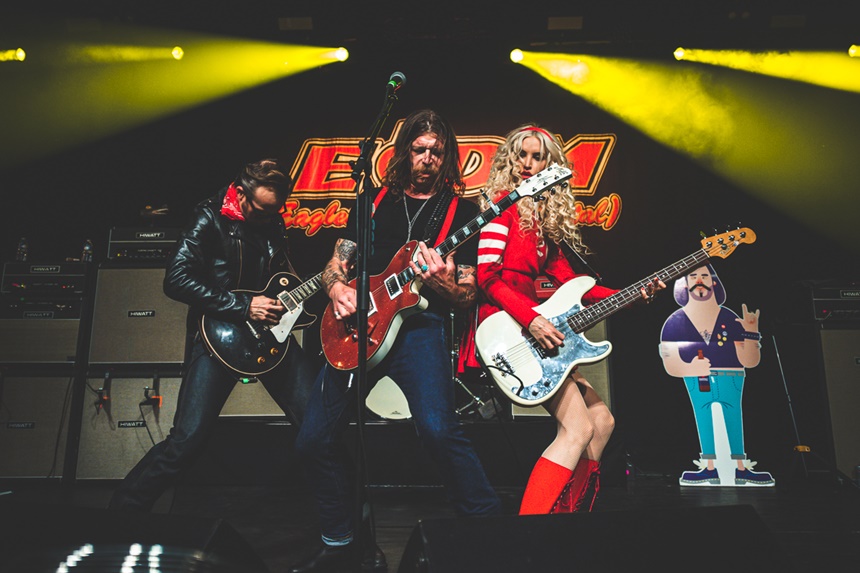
[
  {"x": 41, "y": 307},
  {"x": 43, "y": 310}
]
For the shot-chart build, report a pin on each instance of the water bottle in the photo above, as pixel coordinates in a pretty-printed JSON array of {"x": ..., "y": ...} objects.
[
  {"x": 23, "y": 249},
  {"x": 87, "y": 253}
]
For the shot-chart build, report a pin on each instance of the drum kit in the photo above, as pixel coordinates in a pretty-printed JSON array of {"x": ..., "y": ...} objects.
[{"x": 474, "y": 398}]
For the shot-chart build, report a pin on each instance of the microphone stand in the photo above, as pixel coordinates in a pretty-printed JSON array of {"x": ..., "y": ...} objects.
[{"x": 362, "y": 178}]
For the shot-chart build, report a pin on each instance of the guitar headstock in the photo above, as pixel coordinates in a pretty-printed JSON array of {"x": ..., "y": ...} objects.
[
  {"x": 724, "y": 244},
  {"x": 543, "y": 180}
]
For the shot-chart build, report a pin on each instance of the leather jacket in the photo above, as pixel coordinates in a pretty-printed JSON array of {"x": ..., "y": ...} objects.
[{"x": 216, "y": 255}]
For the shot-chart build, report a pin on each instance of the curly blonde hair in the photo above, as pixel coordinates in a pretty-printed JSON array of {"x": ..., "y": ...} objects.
[{"x": 554, "y": 217}]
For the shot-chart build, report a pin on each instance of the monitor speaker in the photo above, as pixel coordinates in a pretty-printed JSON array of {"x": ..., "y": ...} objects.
[
  {"x": 34, "y": 418},
  {"x": 56, "y": 537},
  {"x": 840, "y": 350},
  {"x": 660, "y": 539},
  {"x": 122, "y": 419},
  {"x": 251, "y": 400},
  {"x": 134, "y": 322}
]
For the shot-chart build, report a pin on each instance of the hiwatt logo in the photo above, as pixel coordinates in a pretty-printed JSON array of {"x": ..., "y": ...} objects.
[
  {"x": 322, "y": 171},
  {"x": 131, "y": 424},
  {"x": 44, "y": 269},
  {"x": 141, "y": 313},
  {"x": 20, "y": 425},
  {"x": 38, "y": 314},
  {"x": 148, "y": 235}
]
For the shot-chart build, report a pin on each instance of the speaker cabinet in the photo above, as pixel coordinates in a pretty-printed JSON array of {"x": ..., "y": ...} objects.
[
  {"x": 596, "y": 373},
  {"x": 134, "y": 322},
  {"x": 39, "y": 341},
  {"x": 42, "y": 537},
  {"x": 34, "y": 416},
  {"x": 658, "y": 539},
  {"x": 119, "y": 424},
  {"x": 840, "y": 351}
]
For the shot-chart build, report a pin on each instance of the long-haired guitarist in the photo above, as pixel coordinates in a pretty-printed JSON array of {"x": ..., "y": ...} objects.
[
  {"x": 235, "y": 240},
  {"x": 514, "y": 249},
  {"x": 420, "y": 200}
]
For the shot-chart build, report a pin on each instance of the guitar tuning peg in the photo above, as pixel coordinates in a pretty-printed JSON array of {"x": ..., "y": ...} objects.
[{"x": 702, "y": 234}]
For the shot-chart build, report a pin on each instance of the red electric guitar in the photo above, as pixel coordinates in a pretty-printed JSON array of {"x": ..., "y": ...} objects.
[{"x": 394, "y": 292}]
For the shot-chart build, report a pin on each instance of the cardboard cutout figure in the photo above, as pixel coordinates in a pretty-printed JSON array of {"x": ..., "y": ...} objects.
[{"x": 710, "y": 347}]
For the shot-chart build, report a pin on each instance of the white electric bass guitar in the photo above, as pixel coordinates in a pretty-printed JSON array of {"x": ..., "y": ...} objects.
[{"x": 530, "y": 375}]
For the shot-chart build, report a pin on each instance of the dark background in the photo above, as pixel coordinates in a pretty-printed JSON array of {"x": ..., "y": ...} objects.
[{"x": 455, "y": 57}]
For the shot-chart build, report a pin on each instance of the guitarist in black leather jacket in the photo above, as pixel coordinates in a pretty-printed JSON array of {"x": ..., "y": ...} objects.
[{"x": 235, "y": 241}]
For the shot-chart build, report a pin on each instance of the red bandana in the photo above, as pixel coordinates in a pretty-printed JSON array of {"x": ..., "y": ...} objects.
[{"x": 230, "y": 207}]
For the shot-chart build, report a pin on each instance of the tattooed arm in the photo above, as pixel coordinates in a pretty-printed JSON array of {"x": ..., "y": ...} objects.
[
  {"x": 335, "y": 280},
  {"x": 467, "y": 287},
  {"x": 457, "y": 285}
]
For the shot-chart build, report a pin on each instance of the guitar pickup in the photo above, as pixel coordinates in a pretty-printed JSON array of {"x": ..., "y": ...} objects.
[{"x": 392, "y": 285}]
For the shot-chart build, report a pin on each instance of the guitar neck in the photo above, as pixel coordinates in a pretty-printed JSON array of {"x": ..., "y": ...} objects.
[
  {"x": 591, "y": 315},
  {"x": 474, "y": 226},
  {"x": 532, "y": 187},
  {"x": 291, "y": 299},
  {"x": 465, "y": 233}
]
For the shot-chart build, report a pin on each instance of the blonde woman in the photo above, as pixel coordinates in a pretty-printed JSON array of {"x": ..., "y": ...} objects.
[{"x": 517, "y": 247}]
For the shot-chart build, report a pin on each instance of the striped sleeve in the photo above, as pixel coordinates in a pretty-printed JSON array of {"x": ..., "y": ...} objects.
[{"x": 491, "y": 253}]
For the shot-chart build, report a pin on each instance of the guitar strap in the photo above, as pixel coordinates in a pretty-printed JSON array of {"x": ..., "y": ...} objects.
[{"x": 449, "y": 220}]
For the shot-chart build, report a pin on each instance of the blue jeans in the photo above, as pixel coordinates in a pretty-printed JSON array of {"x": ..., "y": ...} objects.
[
  {"x": 418, "y": 362},
  {"x": 726, "y": 388},
  {"x": 202, "y": 395}
]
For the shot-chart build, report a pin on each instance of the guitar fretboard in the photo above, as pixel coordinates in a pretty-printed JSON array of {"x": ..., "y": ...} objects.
[
  {"x": 292, "y": 299},
  {"x": 591, "y": 315}
]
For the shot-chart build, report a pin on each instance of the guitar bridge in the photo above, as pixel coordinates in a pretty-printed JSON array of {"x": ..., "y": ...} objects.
[{"x": 502, "y": 364}]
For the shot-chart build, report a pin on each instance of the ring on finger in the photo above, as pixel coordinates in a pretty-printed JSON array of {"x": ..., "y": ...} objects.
[{"x": 424, "y": 268}]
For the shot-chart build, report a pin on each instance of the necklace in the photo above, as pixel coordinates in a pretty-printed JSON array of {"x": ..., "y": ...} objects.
[{"x": 411, "y": 220}]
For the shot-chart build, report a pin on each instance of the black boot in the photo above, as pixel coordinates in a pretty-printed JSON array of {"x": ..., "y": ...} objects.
[{"x": 327, "y": 559}]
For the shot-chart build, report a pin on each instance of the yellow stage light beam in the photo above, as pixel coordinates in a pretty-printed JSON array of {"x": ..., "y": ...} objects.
[
  {"x": 16, "y": 55},
  {"x": 78, "y": 89},
  {"x": 792, "y": 145},
  {"x": 827, "y": 69}
]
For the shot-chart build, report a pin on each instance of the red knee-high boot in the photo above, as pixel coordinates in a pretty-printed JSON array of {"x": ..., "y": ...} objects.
[
  {"x": 545, "y": 484},
  {"x": 581, "y": 490}
]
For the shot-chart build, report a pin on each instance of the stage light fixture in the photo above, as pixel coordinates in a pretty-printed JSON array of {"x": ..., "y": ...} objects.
[
  {"x": 854, "y": 51},
  {"x": 517, "y": 56},
  {"x": 16, "y": 55},
  {"x": 97, "y": 87},
  {"x": 827, "y": 69},
  {"x": 775, "y": 140}
]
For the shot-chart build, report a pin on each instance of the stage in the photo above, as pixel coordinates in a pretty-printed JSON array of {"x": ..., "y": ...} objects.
[{"x": 809, "y": 522}]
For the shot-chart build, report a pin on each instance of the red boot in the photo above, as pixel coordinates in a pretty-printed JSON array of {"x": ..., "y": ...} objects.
[
  {"x": 581, "y": 490},
  {"x": 545, "y": 483}
]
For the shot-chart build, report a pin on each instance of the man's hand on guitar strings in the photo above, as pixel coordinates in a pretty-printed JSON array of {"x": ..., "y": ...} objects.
[{"x": 265, "y": 309}]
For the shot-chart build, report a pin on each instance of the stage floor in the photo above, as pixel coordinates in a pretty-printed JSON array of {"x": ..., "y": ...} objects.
[{"x": 813, "y": 523}]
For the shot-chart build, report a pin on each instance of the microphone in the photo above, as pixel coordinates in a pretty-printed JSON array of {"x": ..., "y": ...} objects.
[{"x": 396, "y": 80}]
